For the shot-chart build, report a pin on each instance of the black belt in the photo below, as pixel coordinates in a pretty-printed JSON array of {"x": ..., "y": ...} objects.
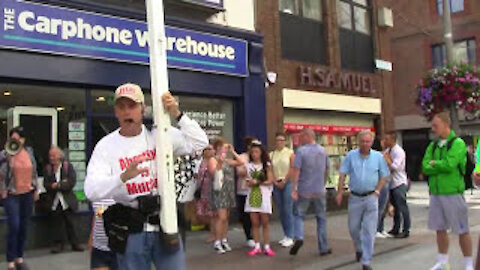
[
  {"x": 153, "y": 219},
  {"x": 363, "y": 194}
]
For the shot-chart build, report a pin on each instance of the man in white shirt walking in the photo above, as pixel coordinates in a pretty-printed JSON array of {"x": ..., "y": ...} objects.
[
  {"x": 122, "y": 167},
  {"x": 396, "y": 160}
]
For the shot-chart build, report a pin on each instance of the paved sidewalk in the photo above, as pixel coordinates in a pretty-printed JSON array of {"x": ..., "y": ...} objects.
[
  {"x": 416, "y": 252},
  {"x": 201, "y": 256}
]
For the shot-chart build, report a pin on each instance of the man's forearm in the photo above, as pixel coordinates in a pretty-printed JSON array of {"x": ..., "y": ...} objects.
[
  {"x": 295, "y": 175},
  {"x": 381, "y": 184},
  {"x": 341, "y": 180}
]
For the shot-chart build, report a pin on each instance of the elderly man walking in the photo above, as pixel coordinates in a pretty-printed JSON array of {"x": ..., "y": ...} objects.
[
  {"x": 368, "y": 173},
  {"x": 444, "y": 164}
]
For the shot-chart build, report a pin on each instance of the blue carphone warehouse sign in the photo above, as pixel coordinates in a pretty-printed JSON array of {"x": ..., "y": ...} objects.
[{"x": 56, "y": 30}]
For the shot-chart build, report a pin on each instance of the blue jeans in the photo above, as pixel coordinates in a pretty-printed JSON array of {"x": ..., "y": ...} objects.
[
  {"x": 300, "y": 210},
  {"x": 18, "y": 209},
  {"x": 362, "y": 223},
  {"x": 383, "y": 200},
  {"x": 284, "y": 201},
  {"x": 144, "y": 248}
]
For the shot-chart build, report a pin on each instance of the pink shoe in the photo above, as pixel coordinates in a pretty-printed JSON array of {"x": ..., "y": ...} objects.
[
  {"x": 269, "y": 252},
  {"x": 254, "y": 251}
]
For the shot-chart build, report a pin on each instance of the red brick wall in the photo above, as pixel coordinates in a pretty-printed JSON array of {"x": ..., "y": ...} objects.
[
  {"x": 268, "y": 24},
  {"x": 417, "y": 27}
]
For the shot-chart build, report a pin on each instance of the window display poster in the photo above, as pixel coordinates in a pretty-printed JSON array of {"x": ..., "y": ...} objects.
[{"x": 215, "y": 116}]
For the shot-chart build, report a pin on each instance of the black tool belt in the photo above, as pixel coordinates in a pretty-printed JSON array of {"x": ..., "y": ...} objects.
[
  {"x": 120, "y": 220},
  {"x": 362, "y": 194}
]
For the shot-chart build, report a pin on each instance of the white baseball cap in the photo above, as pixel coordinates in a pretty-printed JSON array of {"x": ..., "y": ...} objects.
[{"x": 131, "y": 91}]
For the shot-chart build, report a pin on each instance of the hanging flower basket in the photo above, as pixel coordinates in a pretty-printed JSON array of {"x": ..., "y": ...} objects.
[{"x": 457, "y": 85}]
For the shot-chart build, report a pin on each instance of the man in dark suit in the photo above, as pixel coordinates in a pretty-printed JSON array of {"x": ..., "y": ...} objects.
[{"x": 59, "y": 181}]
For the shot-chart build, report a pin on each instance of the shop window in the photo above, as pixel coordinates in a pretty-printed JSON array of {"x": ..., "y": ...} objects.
[
  {"x": 455, "y": 6},
  {"x": 35, "y": 107},
  {"x": 214, "y": 115},
  {"x": 356, "y": 43},
  {"x": 302, "y": 31},
  {"x": 310, "y": 9},
  {"x": 463, "y": 51}
]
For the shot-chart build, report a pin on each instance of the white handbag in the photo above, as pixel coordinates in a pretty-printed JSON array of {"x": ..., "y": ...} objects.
[{"x": 218, "y": 180}]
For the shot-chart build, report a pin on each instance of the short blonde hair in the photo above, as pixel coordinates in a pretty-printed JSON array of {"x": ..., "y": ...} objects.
[{"x": 444, "y": 117}]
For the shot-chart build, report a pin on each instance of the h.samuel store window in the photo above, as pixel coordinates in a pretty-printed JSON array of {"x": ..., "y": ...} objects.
[{"x": 50, "y": 115}]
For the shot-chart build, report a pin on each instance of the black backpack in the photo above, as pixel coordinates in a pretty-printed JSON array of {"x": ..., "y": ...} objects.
[{"x": 469, "y": 166}]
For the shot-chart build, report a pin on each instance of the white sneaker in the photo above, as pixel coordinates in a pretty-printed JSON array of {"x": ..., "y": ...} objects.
[
  {"x": 226, "y": 246},
  {"x": 441, "y": 266},
  {"x": 218, "y": 248},
  {"x": 287, "y": 243},
  {"x": 380, "y": 235},
  {"x": 251, "y": 243},
  {"x": 283, "y": 240}
]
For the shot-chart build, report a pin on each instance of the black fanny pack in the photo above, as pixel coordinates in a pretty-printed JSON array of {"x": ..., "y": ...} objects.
[{"x": 120, "y": 221}]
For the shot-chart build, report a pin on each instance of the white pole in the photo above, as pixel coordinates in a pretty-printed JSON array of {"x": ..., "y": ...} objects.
[{"x": 159, "y": 78}]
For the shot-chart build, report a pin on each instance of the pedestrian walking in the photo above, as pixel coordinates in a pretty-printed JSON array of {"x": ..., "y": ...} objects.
[
  {"x": 123, "y": 168},
  {"x": 444, "y": 164},
  {"x": 59, "y": 180},
  {"x": 396, "y": 161},
  {"x": 242, "y": 193},
  {"x": 282, "y": 161},
  {"x": 309, "y": 174},
  {"x": 368, "y": 173},
  {"x": 204, "y": 184},
  {"x": 383, "y": 201},
  {"x": 18, "y": 190},
  {"x": 222, "y": 200}
]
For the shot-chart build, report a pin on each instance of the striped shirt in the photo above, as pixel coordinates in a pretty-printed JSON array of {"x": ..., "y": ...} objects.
[{"x": 100, "y": 239}]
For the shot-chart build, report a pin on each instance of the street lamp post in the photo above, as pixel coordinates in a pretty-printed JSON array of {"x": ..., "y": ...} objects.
[{"x": 448, "y": 39}]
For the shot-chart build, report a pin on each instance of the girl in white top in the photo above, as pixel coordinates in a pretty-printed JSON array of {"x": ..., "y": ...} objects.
[{"x": 259, "y": 204}]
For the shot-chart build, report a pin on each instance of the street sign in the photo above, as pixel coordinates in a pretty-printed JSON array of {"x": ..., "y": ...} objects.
[{"x": 382, "y": 64}]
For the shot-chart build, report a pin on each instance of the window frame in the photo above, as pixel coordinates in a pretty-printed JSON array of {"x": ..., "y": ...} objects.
[
  {"x": 472, "y": 57},
  {"x": 353, "y": 24},
  {"x": 298, "y": 10},
  {"x": 439, "y": 3}
]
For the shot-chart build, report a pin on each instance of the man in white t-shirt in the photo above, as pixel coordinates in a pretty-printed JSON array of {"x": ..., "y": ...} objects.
[{"x": 122, "y": 167}]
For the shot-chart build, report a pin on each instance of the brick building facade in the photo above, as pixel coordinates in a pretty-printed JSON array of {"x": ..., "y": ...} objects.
[
  {"x": 417, "y": 46},
  {"x": 323, "y": 53}
]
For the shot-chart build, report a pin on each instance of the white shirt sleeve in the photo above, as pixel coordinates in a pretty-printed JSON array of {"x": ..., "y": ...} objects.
[
  {"x": 189, "y": 138},
  {"x": 100, "y": 182},
  {"x": 398, "y": 159}
]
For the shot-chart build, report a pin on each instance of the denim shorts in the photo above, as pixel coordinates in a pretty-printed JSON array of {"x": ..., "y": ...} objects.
[{"x": 102, "y": 258}]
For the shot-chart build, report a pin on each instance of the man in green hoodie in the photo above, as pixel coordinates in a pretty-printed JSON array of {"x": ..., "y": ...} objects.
[{"x": 444, "y": 164}]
